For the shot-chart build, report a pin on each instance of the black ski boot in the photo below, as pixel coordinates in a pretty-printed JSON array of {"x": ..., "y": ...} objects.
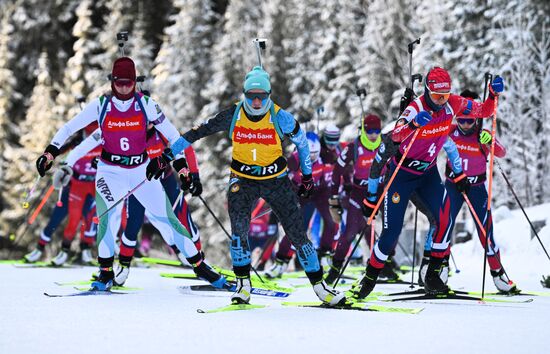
[
  {"x": 204, "y": 271},
  {"x": 433, "y": 283},
  {"x": 422, "y": 270},
  {"x": 334, "y": 271},
  {"x": 388, "y": 272},
  {"x": 367, "y": 283}
]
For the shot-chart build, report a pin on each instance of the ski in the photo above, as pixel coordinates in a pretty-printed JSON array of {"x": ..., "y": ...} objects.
[
  {"x": 452, "y": 296},
  {"x": 161, "y": 261},
  {"x": 114, "y": 287},
  {"x": 354, "y": 306},
  {"x": 87, "y": 293},
  {"x": 231, "y": 288},
  {"x": 45, "y": 265},
  {"x": 233, "y": 307},
  {"x": 267, "y": 285}
]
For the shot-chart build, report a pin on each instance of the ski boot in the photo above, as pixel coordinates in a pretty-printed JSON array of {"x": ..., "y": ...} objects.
[
  {"x": 334, "y": 271},
  {"x": 422, "y": 270},
  {"x": 433, "y": 284},
  {"x": 325, "y": 258},
  {"x": 545, "y": 282},
  {"x": 388, "y": 272},
  {"x": 104, "y": 280},
  {"x": 367, "y": 283},
  {"x": 277, "y": 269},
  {"x": 503, "y": 283},
  {"x": 61, "y": 258},
  {"x": 33, "y": 256},
  {"x": 242, "y": 292},
  {"x": 204, "y": 271},
  {"x": 327, "y": 295},
  {"x": 86, "y": 257}
]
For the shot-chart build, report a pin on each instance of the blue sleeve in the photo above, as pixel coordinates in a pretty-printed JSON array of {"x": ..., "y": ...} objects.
[
  {"x": 453, "y": 156},
  {"x": 373, "y": 185},
  {"x": 289, "y": 127},
  {"x": 179, "y": 145}
]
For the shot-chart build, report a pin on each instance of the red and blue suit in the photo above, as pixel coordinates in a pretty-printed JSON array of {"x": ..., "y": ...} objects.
[
  {"x": 474, "y": 164},
  {"x": 419, "y": 173}
]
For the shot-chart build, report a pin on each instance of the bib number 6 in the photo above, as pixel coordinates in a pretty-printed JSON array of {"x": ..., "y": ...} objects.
[{"x": 124, "y": 144}]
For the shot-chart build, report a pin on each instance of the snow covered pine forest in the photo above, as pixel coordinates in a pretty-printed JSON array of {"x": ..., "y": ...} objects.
[{"x": 195, "y": 54}]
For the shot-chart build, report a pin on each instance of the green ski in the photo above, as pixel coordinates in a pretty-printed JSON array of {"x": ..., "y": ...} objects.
[
  {"x": 354, "y": 306},
  {"x": 232, "y": 307}
]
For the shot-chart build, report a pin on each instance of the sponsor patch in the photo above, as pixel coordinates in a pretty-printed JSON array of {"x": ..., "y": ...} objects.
[
  {"x": 254, "y": 136},
  {"x": 134, "y": 123},
  {"x": 235, "y": 188},
  {"x": 159, "y": 111}
]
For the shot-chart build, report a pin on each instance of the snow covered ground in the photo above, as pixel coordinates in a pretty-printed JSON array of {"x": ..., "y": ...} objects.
[{"x": 160, "y": 319}]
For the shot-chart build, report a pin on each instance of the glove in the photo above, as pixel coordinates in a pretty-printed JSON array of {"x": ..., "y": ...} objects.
[
  {"x": 335, "y": 208},
  {"x": 485, "y": 137},
  {"x": 158, "y": 165},
  {"x": 422, "y": 118},
  {"x": 45, "y": 161},
  {"x": 196, "y": 186},
  {"x": 497, "y": 86},
  {"x": 62, "y": 176},
  {"x": 462, "y": 183},
  {"x": 368, "y": 205},
  {"x": 94, "y": 162},
  {"x": 183, "y": 172},
  {"x": 306, "y": 188}
]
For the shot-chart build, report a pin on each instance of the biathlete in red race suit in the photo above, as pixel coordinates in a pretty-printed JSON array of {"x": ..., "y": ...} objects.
[
  {"x": 431, "y": 116},
  {"x": 124, "y": 165},
  {"x": 359, "y": 154},
  {"x": 474, "y": 145}
]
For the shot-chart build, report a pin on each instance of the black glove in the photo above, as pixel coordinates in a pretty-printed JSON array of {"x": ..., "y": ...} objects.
[
  {"x": 368, "y": 205},
  {"x": 45, "y": 161},
  {"x": 94, "y": 162},
  {"x": 158, "y": 165},
  {"x": 196, "y": 186},
  {"x": 180, "y": 165},
  {"x": 462, "y": 183},
  {"x": 306, "y": 188}
]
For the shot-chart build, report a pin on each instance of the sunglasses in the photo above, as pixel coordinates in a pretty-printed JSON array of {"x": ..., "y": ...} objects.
[
  {"x": 373, "y": 131},
  {"x": 123, "y": 82},
  {"x": 465, "y": 121},
  {"x": 436, "y": 96},
  {"x": 253, "y": 95}
]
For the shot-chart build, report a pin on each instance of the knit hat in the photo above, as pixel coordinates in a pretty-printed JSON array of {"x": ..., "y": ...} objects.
[
  {"x": 331, "y": 134},
  {"x": 257, "y": 78},
  {"x": 372, "y": 122},
  {"x": 123, "y": 69},
  {"x": 438, "y": 80}
]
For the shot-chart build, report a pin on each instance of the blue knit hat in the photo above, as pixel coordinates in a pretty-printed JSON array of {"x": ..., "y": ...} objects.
[{"x": 257, "y": 78}]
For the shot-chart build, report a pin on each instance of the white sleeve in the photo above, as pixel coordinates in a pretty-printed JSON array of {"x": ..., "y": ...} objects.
[
  {"x": 84, "y": 147},
  {"x": 159, "y": 120},
  {"x": 89, "y": 114}
]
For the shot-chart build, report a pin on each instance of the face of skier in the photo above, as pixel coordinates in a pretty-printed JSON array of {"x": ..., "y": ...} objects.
[
  {"x": 256, "y": 98},
  {"x": 372, "y": 134},
  {"x": 465, "y": 124},
  {"x": 124, "y": 86}
]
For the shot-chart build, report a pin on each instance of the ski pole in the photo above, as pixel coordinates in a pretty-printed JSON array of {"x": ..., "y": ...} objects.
[
  {"x": 97, "y": 218},
  {"x": 453, "y": 259},
  {"x": 483, "y": 232},
  {"x": 522, "y": 209},
  {"x": 40, "y": 206},
  {"x": 224, "y": 230},
  {"x": 490, "y": 186},
  {"x": 261, "y": 214},
  {"x": 414, "y": 247},
  {"x": 27, "y": 195},
  {"x": 349, "y": 258}
]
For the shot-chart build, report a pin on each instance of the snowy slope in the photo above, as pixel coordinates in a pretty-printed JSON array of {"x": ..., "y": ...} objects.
[{"x": 159, "y": 319}]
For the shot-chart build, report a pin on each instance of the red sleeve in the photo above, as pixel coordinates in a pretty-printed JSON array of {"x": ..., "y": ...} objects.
[
  {"x": 191, "y": 159},
  {"x": 500, "y": 150},
  {"x": 464, "y": 107},
  {"x": 402, "y": 128},
  {"x": 340, "y": 167}
]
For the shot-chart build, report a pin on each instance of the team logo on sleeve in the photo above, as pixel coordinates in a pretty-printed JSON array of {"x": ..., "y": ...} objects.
[
  {"x": 406, "y": 113},
  {"x": 159, "y": 111}
]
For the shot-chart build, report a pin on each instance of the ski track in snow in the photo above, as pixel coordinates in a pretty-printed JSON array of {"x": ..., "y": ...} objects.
[{"x": 159, "y": 319}]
